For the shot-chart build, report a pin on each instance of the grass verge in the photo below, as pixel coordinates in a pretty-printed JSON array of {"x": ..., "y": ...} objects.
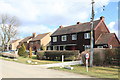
[
  {"x": 33, "y": 59},
  {"x": 98, "y": 72}
]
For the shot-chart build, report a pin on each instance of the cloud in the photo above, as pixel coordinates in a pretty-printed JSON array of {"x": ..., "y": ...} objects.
[
  {"x": 113, "y": 27},
  {"x": 28, "y": 30},
  {"x": 36, "y": 14}
]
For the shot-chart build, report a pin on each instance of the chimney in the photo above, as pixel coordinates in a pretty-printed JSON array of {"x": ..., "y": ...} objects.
[
  {"x": 102, "y": 18},
  {"x": 61, "y": 26},
  {"x": 34, "y": 35},
  {"x": 78, "y": 22}
]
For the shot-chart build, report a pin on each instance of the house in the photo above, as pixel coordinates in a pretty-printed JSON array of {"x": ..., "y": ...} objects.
[
  {"x": 77, "y": 37},
  {"x": 14, "y": 44},
  {"x": 40, "y": 40},
  {"x": 26, "y": 40}
]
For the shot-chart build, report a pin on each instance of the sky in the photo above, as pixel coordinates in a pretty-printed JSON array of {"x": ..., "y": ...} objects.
[{"x": 43, "y": 16}]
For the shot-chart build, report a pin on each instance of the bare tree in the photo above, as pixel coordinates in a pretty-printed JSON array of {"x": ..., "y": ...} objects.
[{"x": 8, "y": 29}]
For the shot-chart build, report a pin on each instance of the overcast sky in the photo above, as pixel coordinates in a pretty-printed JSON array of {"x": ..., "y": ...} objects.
[{"x": 42, "y": 16}]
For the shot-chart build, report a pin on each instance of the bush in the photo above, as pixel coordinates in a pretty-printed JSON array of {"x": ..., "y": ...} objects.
[
  {"x": 22, "y": 51},
  {"x": 40, "y": 55},
  {"x": 98, "y": 57},
  {"x": 103, "y": 57},
  {"x": 57, "y": 55},
  {"x": 112, "y": 56}
]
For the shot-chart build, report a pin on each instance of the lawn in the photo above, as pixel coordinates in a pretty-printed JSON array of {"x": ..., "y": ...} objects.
[
  {"x": 98, "y": 72},
  {"x": 33, "y": 59}
]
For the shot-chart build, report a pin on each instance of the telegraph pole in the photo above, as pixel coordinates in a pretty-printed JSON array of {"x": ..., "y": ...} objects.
[{"x": 92, "y": 40}]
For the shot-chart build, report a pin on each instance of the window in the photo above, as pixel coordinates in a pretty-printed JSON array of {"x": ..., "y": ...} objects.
[
  {"x": 54, "y": 39},
  {"x": 74, "y": 37},
  {"x": 99, "y": 46},
  {"x": 64, "y": 38},
  {"x": 87, "y": 35},
  {"x": 31, "y": 42},
  {"x": 54, "y": 47},
  {"x": 87, "y": 47}
]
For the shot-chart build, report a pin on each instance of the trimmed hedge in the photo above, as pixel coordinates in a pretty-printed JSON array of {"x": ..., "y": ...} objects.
[
  {"x": 57, "y": 55},
  {"x": 103, "y": 57},
  {"x": 40, "y": 55}
]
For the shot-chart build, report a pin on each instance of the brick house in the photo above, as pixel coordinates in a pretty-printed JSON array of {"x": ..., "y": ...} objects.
[
  {"x": 77, "y": 37},
  {"x": 40, "y": 40},
  {"x": 36, "y": 41},
  {"x": 14, "y": 44},
  {"x": 26, "y": 40}
]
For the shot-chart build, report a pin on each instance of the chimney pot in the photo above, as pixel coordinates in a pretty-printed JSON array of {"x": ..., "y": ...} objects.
[
  {"x": 102, "y": 18},
  {"x": 78, "y": 22},
  {"x": 34, "y": 35},
  {"x": 61, "y": 26}
]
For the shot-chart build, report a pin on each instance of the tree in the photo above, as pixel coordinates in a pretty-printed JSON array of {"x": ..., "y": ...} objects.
[
  {"x": 8, "y": 29},
  {"x": 22, "y": 50},
  {"x": 30, "y": 52}
]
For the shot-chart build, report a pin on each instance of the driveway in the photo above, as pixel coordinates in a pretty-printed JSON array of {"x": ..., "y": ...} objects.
[{"x": 18, "y": 70}]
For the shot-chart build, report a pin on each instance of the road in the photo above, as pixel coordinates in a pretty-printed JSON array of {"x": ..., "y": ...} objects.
[{"x": 18, "y": 70}]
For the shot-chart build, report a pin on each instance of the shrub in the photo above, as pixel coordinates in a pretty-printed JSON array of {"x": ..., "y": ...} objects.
[
  {"x": 22, "y": 51},
  {"x": 104, "y": 57},
  {"x": 112, "y": 56},
  {"x": 57, "y": 55},
  {"x": 40, "y": 55}
]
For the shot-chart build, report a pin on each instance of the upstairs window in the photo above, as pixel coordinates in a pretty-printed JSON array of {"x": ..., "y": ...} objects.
[
  {"x": 64, "y": 38},
  {"x": 74, "y": 37},
  {"x": 54, "y": 39},
  {"x": 87, "y": 35}
]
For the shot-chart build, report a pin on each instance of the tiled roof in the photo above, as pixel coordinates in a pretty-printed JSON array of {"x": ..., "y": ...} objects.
[
  {"x": 26, "y": 39},
  {"x": 39, "y": 37},
  {"x": 104, "y": 38},
  {"x": 14, "y": 41},
  {"x": 82, "y": 27}
]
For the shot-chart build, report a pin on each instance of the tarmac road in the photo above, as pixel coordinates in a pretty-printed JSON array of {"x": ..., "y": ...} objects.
[{"x": 18, "y": 70}]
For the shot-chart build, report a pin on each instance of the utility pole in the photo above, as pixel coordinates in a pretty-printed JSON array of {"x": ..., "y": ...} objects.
[{"x": 92, "y": 40}]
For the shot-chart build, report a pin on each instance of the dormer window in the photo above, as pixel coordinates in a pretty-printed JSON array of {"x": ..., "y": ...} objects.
[
  {"x": 64, "y": 38},
  {"x": 54, "y": 39},
  {"x": 74, "y": 37},
  {"x": 87, "y": 35}
]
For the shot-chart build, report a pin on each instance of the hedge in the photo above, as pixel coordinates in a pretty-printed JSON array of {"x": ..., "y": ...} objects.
[
  {"x": 57, "y": 55},
  {"x": 103, "y": 57}
]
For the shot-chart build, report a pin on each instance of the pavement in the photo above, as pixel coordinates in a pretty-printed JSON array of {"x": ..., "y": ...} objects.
[
  {"x": 19, "y": 70},
  {"x": 61, "y": 64}
]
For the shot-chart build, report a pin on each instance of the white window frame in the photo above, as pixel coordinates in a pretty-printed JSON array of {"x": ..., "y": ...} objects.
[
  {"x": 99, "y": 46},
  {"x": 54, "y": 39},
  {"x": 87, "y": 35},
  {"x": 64, "y": 38},
  {"x": 74, "y": 36},
  {"x": 86, "y": 47},
  {"x": 110, "y": 46}
]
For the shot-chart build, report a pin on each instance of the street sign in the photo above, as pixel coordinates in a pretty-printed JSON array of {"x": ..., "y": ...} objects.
[{"x": 87, "y": 56}]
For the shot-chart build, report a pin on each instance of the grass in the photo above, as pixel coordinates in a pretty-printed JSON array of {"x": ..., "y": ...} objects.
[
  {"x": 98, "y": 72},
  {"x": 33, "y": 59}
]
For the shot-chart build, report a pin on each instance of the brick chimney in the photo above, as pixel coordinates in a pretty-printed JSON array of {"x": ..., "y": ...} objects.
[
  {"x": 102, "y": 18},
  {"x": 34, "y": 35},
  {"x": 78, "y": 22},
  {"x": 61, "y": 26}
]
